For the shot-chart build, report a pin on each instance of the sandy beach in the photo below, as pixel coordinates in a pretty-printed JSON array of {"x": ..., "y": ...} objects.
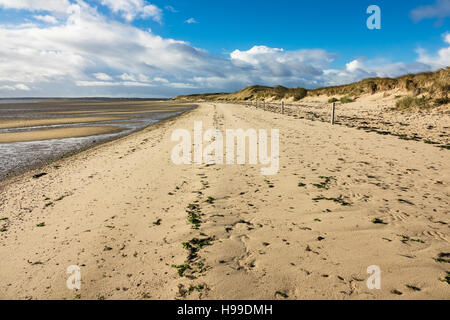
[{"x": 343, "y": 200}]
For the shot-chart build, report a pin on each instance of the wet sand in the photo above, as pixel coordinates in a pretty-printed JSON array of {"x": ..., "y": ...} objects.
[
  {"x": 106, "y": 112},
  {"x": 8, "y": 124},
  {"x": 41, "y": 130},
  {"x": 344, "y": 200},
  {"x": 61, "y": 133}
]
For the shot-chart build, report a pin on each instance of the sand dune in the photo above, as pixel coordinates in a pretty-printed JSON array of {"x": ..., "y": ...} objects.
[{"x": 344, "y": 200}]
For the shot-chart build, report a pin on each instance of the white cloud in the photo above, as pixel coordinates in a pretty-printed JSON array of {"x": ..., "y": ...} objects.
[
  {"x": 47, "y": 19},
  {"x": 22, "y": 87},
  {"x": 88, "y": 53},
  {"x": 439, "y": 60},
  {"x": 102, "y": 76},
  {"x": 130, "y": 9},
  {"x": 171, "y": 9},
  {"x": 127, "y": 77},
  {"x": 87, "y": 40},
  {"x": 191, "y": 21},
  {"x": 274, "y": 66},
  {"x": 60, "y": 6},
  {"x": 439, "y": 10},
  {"x": 112, "y": 84},
  {"x": 159, "y": 79},
  {"x": 447, "y": 38},
  {"x": 19, "y": 86},
  {"x": 180, "y": 85},
  {"x": 143, "y": 78},
  {"x": 354, "y": 65}
]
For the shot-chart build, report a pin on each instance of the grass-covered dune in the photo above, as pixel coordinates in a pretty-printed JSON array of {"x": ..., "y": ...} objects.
[
  {"x": 251, "y": 93},
  {"x": 424, "y": 89}
]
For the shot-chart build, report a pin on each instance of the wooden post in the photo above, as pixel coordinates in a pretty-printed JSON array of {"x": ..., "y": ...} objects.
[
  {"x": 282, "y": 107},
  {"x": 333, "y": 112}
]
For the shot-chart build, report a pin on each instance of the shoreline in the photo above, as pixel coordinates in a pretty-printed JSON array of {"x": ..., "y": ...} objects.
[{"x": 41, "y": 165}]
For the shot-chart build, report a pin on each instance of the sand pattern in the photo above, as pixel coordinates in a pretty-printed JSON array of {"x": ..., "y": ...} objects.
[
  {"x": 374, "y": 114},
  {"x": 141, "y": 227}
]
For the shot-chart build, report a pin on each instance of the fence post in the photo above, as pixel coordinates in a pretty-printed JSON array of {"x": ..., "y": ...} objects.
[
  {"x": 282, "y": 107},
  {"x": 333, "y": 112}
]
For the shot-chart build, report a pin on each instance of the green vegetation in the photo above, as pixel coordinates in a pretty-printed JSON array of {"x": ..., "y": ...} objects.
[
  {"x": 378, "y": 221},
  {"x": 281, "y": 294},
  {"x": 434, "y": 84},
  {"x": 346, "y": 100},
  {"x": 443, "y": 258},
  {"x": 181, "y": 268},
  {"x": 252, "y": 93},
  {"x": 332, "y": 100},
  {"x": 446, "y": 279},
  {"x": 406, "y": 239},
  {"x": 339, "y": 200},
  {"x": 405, "y": 201},
  {"x": 412, "y": 102},
  {"x": 414, "y": 288},
  {"x": 194, "y": 215},
  {"x": 325, "y": 184},
  {"x": 210, "y": 200},
  {"x": 197, "y": 288},
  {"x": 194, "y": 219},
  {"x": 425, "y": 90},
  {"x": 40, "y": 225}
]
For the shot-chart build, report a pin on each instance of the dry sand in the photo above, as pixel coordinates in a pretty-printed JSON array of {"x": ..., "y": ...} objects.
[
  {"x": 376, "y": 113},
  {"x": 59, "y": 133},
  {"x": 119, "y": 211}
]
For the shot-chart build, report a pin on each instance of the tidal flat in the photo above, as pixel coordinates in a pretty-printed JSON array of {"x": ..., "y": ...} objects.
[{"x": 36, "y": 131}]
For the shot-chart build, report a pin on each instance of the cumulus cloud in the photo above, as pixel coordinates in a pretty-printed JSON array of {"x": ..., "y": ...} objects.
[
  {"x": 47, "y": 19},
  {"x": 159, "y": 79},
  {"x": 89, "y": 53},
  {"x": 18, "y": 86},
  {"x": 191, "y": 21},
  {"x": 88, "y": 40},
  {"x": 130, "y": 9},
  {"x": 171, "y": 9},
  {"x": 362, "y": 68},
  {"x": 439, "y": 60},
  {"x": 275, "y": 65},
  {"x": 112, "y": 84},
  {"x": 355, "y": 65},
  {"x": 102, "y": 76},
  {"x": 143, "y": 78},
  {"x": 59, "y": 6},
  {"x": 127, "y": 77},
  {"x": 439, "y": 10}
]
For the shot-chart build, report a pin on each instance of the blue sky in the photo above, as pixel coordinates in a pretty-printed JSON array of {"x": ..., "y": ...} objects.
[
  {"x": 163, "y": 48},
  {"x": 290, "y": 24}
]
